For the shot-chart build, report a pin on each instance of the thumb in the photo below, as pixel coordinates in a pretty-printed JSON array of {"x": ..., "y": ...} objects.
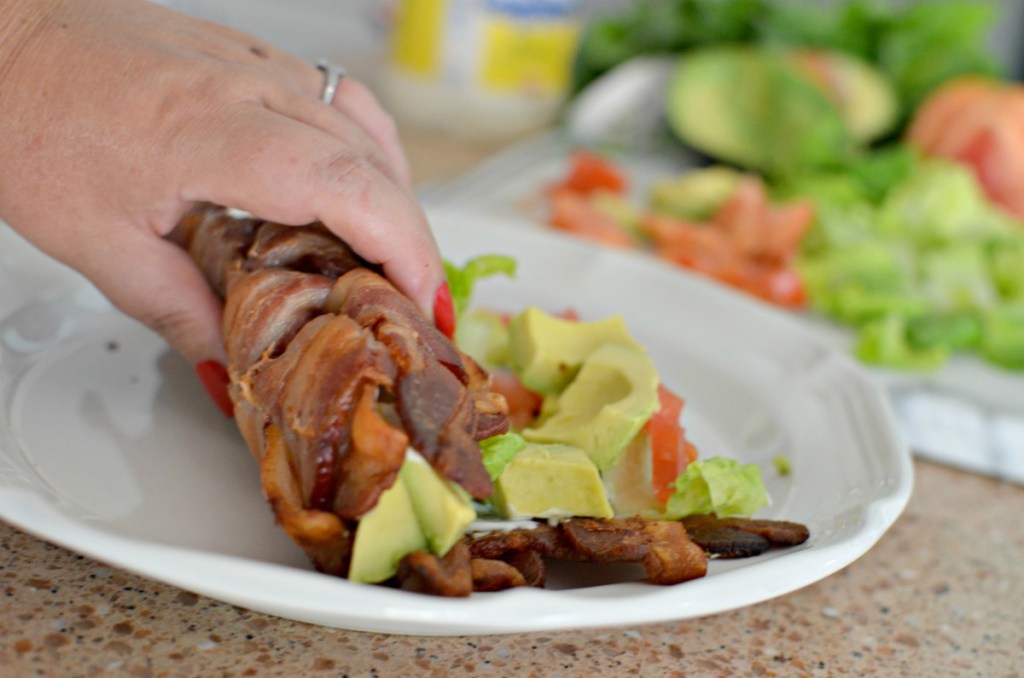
[{"x": 157, "y": 283}]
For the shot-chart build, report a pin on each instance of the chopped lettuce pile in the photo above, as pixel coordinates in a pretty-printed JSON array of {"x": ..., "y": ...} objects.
[{"x": 923, "y": 269}]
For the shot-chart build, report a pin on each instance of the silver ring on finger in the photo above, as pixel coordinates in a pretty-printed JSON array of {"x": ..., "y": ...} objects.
[{"x": 333, "y": 74}]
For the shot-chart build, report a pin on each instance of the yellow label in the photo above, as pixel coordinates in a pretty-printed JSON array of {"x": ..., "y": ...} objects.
[
  {"x": 531, "y": 58},
  {"x": 419, "y": 27}
]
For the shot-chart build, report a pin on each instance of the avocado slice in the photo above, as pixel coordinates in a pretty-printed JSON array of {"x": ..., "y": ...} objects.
[
  {"x": 546, "y": 352},
  {"x": 866, "y": 100},
  {"x": 605, "y": 406},
  {"x": 551, "y": 481},
  {"x": 385, "y": 535},
  {"x": 696, "y": 194},
  {"x": 703, "y": 104},
  {"x": 776, "y": 111},
  {"x": 442, "y": 510}
]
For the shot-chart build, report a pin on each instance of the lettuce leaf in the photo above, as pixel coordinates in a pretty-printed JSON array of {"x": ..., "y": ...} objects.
[
  {"x": 885, "y": 342},
  {"x": 1002, "y": 339},
  {"x": 717, "y": 485},
  {"x": 927, "y": 270},
  {"x": 461, "y": 281},
  {"x": 499, "y": 450}
]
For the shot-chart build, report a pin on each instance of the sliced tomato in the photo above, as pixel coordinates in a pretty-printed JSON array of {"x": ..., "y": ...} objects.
[
  {"x": 949, "y": 107},
  {"x": 980, "y": 124},
  {"x": 749, "y": 243},
  {"x": 573, "y": 212},
  {"x": 780, "y": 286},
  {"x": 569, "y": 314},
  {"x": 671, "y": 452},
  {"x": 786, "y": 226},
  {"x": 744, "y": 214},
  {"x": 589, "y": 172},
  {"x": 523, "y": 404},
  {"x": 699, "y": 247}
]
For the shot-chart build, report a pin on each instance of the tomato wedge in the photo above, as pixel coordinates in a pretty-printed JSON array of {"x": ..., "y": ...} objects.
[
  {"x": 575, "y": 213},
  {"x": 980, "y": 124},
  {"x": 523, "y": 404},
  {"x": 671, "y": 452},
  {"x": 589, "y": 172},
  {"x": 780, "y": 286}
]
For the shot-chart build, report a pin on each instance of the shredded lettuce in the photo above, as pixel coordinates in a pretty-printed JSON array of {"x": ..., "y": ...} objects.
[
  {"x": 461, "y": 281},
  {"x": 483, "y": 335},
  {"x": 717, "y": 485},
  {"x": 884, "y": 342},
  {"x": 864, "y": 178},
  {"x": 1006, "y": 257},
  {"x": 499, "y": 450},
  {"x": 479, "y": 333},
  {"x": 940, "y": 204},
  {"x": 926, "y": 270},
  {"x": 954, "y": 331},
  {"x": 1003, "y": 336}
]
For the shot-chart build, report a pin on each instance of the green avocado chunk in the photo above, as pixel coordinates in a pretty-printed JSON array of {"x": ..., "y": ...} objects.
[
  {"x": 443, "y": 513},
  {"x": 696, "y": 194},
  {"x": 388, "y": 533},
  {"x": 551, "y": 481},
  {"x": 546, "y": 352},
  {"x": 777, "y": 111},
  {"x": 866, "y": 100},
  {"x": 704, "y": 102},
  {"x": 605, "y": 406}
]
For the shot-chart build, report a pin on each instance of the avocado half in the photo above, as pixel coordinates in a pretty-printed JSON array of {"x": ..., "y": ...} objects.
[{"x": 775, "y": 111}]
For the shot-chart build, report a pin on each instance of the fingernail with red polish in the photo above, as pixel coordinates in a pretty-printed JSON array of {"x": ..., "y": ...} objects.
[
  {"x": 214, "y": 378},
  {"x": 444, "y": 311}
]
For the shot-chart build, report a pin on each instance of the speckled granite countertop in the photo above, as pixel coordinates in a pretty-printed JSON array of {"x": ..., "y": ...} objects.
[{"x": 941, "y": 594}]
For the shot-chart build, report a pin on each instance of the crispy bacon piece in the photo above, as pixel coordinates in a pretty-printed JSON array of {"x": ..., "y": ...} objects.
[
  {"x": 662, "y": 547},
  {"x": 530, "y": 566},
  {"x": 333, "y": 373},
  {"x": 495, "y": 575},
  {"x": 450, "y": 576},
  {"x": 742, "y": 537},
  {"x": 372, "y": 302},
  {"x": 307, "y": 249},
  {"x": 544, "y": 539}
]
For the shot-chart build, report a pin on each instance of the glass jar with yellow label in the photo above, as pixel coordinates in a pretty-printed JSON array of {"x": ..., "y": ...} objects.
[{"x": 481, "y": 69}]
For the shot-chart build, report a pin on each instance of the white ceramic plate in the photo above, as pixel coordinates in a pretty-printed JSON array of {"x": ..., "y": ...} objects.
[{"x": 109, "y": 447}]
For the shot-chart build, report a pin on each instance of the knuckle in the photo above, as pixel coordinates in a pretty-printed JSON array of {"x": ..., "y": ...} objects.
[
  {"x": 342, "y": 171},
  {"x": 173, "y": 324},
  {"x": 387, "y": 127}
]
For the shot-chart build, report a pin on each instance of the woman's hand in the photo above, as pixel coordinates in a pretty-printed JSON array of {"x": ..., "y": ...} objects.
[{"x": 117, "y": 115}]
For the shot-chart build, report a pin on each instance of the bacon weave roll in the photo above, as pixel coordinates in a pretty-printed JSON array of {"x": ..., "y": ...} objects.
[{"x": 333, "y": 375}]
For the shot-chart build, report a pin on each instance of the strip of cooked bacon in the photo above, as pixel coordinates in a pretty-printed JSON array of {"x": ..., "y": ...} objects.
[
  {"x": 742, "y": 537},
  {"x": 450, "y": 576},
  {"x": 495, "y": 575},
  {"x": 662, "y": 547},
  {"x": 333, "y": 373}
]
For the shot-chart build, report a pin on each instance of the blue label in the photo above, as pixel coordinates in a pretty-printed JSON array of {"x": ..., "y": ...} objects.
[{"x": 530, "y": 9}]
